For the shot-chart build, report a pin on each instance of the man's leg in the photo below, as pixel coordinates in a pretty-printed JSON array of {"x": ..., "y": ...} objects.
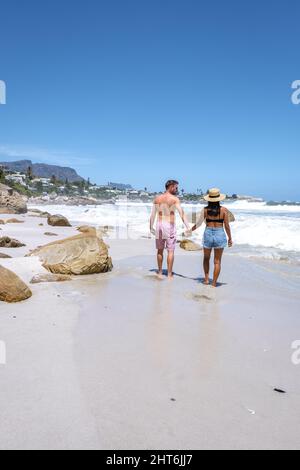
[
  {"x": 160, "y": 260},
  {"x": 218, "y": 258},
  {"x": 171, "y": 256},
  {"x": 206, "y": 261}
]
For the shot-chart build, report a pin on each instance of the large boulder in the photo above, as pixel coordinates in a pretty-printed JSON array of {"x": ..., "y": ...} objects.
[
  {"x": 189, "y": 245},
  {"x": 12, "y": 288},
  {"x": 7, "y": 242},
  {"x": 78, "y": 255},
  {"x": 11, "y": 202},
  {"x": 58, "y": 221}
]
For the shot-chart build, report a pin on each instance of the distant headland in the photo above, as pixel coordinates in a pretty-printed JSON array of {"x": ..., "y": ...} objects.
[{"x": 55, "y": 184}]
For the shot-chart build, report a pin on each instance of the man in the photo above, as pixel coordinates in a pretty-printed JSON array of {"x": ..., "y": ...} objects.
[{"x": 165, "y": 208}]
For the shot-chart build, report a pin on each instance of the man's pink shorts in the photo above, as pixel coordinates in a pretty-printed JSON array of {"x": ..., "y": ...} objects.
[{"x": 166, "y": 236}]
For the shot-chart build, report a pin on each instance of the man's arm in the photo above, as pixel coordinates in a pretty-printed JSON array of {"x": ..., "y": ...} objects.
[
  {"x": 182, "y": 214},
  {"x": 153, "y": 217}
]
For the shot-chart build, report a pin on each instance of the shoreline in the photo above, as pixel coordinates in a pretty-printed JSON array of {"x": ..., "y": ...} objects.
[{"x": 123, "y": 360}]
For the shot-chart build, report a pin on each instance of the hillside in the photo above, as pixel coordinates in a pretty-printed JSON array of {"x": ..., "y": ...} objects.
[{"x": 42, "y": 170}]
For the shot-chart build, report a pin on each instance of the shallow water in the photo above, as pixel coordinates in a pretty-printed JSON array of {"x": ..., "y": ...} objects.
[{"x": 260, "y": 230}]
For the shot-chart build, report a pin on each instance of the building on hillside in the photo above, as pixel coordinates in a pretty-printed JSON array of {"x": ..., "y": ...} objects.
[{"x": 16, "y": 178}]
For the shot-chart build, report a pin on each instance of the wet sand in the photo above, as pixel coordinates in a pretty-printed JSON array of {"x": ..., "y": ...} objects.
[{"x": 126, "y": 361}]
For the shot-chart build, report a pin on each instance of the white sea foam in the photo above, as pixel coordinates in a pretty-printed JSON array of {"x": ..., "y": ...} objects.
[{"x": 271, "y": 230}]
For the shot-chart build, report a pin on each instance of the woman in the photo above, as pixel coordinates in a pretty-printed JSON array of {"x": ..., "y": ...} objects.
[{"x": 216, "y": 218}]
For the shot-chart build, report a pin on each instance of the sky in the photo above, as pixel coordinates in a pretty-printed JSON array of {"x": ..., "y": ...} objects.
[{"x": 141, "y": 91}]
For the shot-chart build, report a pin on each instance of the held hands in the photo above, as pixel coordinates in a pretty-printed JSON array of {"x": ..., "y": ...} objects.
[
  {"x": 230, "y": 243},
  {"x": 188, "y": 233}
]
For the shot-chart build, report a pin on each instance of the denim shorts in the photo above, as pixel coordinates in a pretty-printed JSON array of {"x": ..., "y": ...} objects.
[{"x": 214, "y": 238}]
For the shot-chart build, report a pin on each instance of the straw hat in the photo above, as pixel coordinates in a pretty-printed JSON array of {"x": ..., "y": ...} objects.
[{"x": 215, "y": 195}]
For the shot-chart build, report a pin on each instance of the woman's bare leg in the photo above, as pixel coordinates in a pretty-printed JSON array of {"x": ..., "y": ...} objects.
[
  {"x": 218, "y": 259},
  {"x": 206, "y": 262}
]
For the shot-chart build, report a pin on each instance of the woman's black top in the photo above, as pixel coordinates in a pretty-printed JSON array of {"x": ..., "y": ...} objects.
[{"x": 218, "y": 221}]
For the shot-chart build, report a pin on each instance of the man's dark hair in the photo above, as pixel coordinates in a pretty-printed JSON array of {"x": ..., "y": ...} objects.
[{"x": 171, "y": 183}]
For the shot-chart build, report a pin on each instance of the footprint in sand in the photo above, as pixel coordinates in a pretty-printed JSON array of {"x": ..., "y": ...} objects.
[
  {"x": 153, "y": 277},
  {"x": 199, "y": 297}
]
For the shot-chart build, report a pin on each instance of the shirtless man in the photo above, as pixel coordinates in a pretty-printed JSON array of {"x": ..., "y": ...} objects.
[{"x": 164, "y": 208}]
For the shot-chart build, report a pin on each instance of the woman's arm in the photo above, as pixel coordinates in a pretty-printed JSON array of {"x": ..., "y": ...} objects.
[
  {"x": 227, "y": 228},
  {"x": 198, "y": 223}
]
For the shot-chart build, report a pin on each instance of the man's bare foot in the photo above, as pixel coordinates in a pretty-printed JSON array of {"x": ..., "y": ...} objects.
[
  {"x": 160, "y": 275},
  {"x": 214, "y": 284},
  {"x": 170, "y": 277},
  {"x": 206, "y": 282}
]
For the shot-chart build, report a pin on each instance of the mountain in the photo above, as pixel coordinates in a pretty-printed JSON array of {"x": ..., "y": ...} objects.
[{"x": 42, "y": 170}]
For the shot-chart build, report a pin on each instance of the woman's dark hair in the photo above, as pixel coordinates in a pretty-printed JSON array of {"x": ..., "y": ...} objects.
[{"x": 214, "y": 209}]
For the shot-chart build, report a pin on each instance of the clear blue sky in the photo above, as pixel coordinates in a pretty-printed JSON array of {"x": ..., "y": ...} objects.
[{"x": 139, "y": 91}]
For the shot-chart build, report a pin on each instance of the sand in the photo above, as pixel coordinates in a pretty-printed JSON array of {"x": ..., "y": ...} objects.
[{"x": 125, "y": 361}]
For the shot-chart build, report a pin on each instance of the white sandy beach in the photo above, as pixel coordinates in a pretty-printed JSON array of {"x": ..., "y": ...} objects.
[{"x": 125, "y": 361}]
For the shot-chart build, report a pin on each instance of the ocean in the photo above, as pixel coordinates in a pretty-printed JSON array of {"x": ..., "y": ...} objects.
[{"x": 261, "y": 229}]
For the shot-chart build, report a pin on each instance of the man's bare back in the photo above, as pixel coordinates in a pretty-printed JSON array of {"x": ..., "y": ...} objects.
[
  {"x": 166, "y": 206},
  {"x": 164, "y": 210}
]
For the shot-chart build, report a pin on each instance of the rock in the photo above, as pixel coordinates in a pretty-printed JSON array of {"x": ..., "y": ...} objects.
[
  {"x": 12, "y": 288},
  {"x": 188, "y": 245},
  {"x": 85, "y": 228},
  {"x": 4, "y": 256},
  {"x": 14, "y": 221},
  {"x": 79, "y": 255},
  {"x": 39, "y": 213},
  {"x": 11, "y": 202},
  {"x": 6, "y": 242},
  {"x": 41, "y": 225},
  {"x": 58, "y": 221},
  {"x": 50, "y": 234},
  {"x": 91, "y": 230},
  {"x": 2, "y": 222},
  {"x": 231, "y": 217},
  {"x": 48, "y": 277}
]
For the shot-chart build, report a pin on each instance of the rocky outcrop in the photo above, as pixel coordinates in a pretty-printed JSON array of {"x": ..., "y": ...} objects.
[
  {"x": 50, "y": 234},
  {"x": 12, "y": 288},
  {"x": 11, "y": 202},
  {"x": 58, "y": 221},
  {"x": 79, "y": 255},
  {"x": 188, "y": 245},
  {"x": 7, "y": 242},
  {"x": 48, "y": 277},
  {"x": 42, "y": 170}
]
